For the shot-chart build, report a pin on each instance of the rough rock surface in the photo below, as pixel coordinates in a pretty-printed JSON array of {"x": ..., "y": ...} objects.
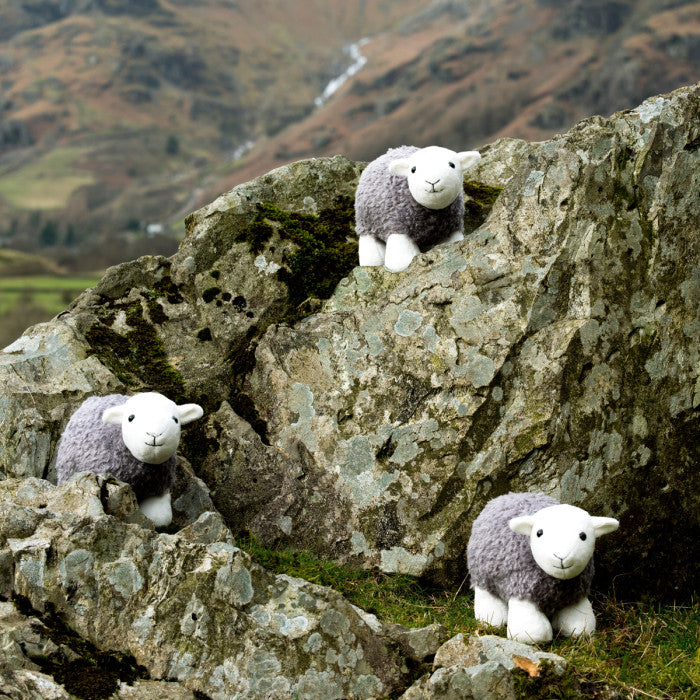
[
  {"x": 188, "y": 607},
  {"x": 480, "y": 668},
  {"x": 555, "y": 348}
]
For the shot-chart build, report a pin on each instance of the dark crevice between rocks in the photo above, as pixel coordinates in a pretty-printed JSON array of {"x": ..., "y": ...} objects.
[
  {"x": 242, "y": 361},
  {"x": 325, "y": 251},
  {"x": 79, "y": 666}
]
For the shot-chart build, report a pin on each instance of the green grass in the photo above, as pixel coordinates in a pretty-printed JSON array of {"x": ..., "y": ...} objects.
[
  {"x": 26, "y": 300},
  {"x": 640, "y": 650},
  {"x": 50, "y": 293},
  {"x": 46, "y": 183}
]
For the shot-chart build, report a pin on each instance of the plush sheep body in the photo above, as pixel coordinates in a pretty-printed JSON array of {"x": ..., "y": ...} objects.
[
  {"x": 134, "y": 439},
  {"x": 530, "y": 559},
  {"x": 408, "y": 200}
]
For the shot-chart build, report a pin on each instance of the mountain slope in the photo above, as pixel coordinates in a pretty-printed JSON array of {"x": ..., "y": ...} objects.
[
  {"x": 463, "y": 73},
  {"x": 110, "y": 112},
  {"x": 119, "y": 118}
]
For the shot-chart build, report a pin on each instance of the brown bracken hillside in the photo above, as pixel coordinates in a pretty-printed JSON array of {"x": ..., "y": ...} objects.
[{"x": 119, "y": 117}]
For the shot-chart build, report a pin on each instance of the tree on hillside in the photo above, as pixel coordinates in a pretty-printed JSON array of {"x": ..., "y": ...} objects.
[{"x": 49, "y": 234}]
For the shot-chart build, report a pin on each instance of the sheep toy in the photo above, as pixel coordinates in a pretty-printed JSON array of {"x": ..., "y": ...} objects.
[
  {"x": 408, "y": 200},
  {"x": 530, "y": 559},
  {"x": 141, "y": 453}
]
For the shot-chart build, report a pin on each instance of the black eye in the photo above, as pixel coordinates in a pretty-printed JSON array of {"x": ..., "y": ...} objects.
[
  {"x": 413, "y": 169},
  {"x": 131, "y": 417},
  {"x": 540, "y": 533},
  {"x": 582, "y": 536},
  {"x": 175, "y": 419},
  {"x": 451, "y": 164}
]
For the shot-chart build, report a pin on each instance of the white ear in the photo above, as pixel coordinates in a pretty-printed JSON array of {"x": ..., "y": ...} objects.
[
  {"x": 468, "y": 158},
  {"x": 113, "y": 414},
  {"x": 189, "y": 412},
  {"x": 602, "y": 526},
  {"x": 522, "y": 525},
  {"x": 400, "y": 167}
]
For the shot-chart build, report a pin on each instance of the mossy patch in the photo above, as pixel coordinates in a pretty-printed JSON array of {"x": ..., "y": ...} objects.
[
  {"x": 89, "y": 672},
  {"x": 137, "y": 358},
  {"x": 209, "y": 294},
  {"x": 168, "y": 289},
  {"x": 478, "y": 202},
  {"x": 324, "y": 251}
]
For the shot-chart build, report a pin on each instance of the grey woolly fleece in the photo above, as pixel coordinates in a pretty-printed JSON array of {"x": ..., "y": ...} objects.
[
  {"x": 384, "y": 205},
  {"x": 501, "y": 561},
  {"x": 90, "y": 445}
]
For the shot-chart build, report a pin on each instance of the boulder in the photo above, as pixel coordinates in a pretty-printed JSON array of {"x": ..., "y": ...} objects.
[
  {"x": 188, "y": 607},
  {"x": 369, "y": 416},
  {"x": 486, "y": 668},
  {"x": 555, "y": 350}
]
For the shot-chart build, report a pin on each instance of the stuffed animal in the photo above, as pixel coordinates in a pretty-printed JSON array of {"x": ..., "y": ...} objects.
[
  {"x": 530, "y": 559},
  {"x": 408, "y": 200},
  {"x": 134, "y": 439}
]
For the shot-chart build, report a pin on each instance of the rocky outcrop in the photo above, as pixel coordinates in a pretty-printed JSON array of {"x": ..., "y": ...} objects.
[
  {"x": 189, "y": 607},
  {"x": 555, "y": 349}
]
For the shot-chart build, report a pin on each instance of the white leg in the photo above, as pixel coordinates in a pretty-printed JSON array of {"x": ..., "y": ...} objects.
[
  {"x": 527, "y": 623},
  {"x": 489, "y": 609},
  {"x": 158, "y": 509},
  {"x": 454, "y": 237},
  {"x": 575, "y": 620},
  {"x": 371, "y": 251},
  {"x": 400, "y": 250}
]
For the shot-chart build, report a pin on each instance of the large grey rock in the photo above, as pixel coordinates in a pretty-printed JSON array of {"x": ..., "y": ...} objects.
[
  {"x": 189, "y": 607},
  {"x": 555, "y": 349}
]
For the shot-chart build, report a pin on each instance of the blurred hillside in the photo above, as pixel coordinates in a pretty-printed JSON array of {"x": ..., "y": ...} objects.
[{"x": 117, "y": 118}]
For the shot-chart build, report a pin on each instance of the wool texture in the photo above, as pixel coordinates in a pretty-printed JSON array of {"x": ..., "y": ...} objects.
[
  {"x": 88, "y": 444},
  {"x": 500, "y": 560},
  {"x": 385, "y": 205}
]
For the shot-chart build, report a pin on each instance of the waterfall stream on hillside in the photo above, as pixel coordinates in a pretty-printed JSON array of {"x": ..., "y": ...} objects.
[{"x": 358, "y": 61}]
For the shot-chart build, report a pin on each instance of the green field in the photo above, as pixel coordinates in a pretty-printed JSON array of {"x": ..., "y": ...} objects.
[
  {"x": 50, "y": 293},
  {"x": 46, "y": 183},
  {"x": 26, "y": 300}
]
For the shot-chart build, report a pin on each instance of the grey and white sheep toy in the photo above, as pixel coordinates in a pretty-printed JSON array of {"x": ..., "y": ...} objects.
[
  {"x": 132, "y": 438},
  {"x": 409, "y": 200},
  {"x": 530, "y": 559}
]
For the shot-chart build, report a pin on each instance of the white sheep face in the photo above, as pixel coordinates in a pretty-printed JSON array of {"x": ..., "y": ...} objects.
[
  {"x": 151, "y": 425},
  {"x": 562, "y": 538},
  {"x": 434, "y": 174}
]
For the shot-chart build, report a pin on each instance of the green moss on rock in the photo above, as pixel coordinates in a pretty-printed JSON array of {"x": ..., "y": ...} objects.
[
  {"x": 325, "y": 249},
  {"x": 479, "y": 200},
  {"x": 168, "y": 289},
  {"x": 210, "y": 294},
  {"x": 138, "y": 356},
  {"x": 547, "y": 683}
]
